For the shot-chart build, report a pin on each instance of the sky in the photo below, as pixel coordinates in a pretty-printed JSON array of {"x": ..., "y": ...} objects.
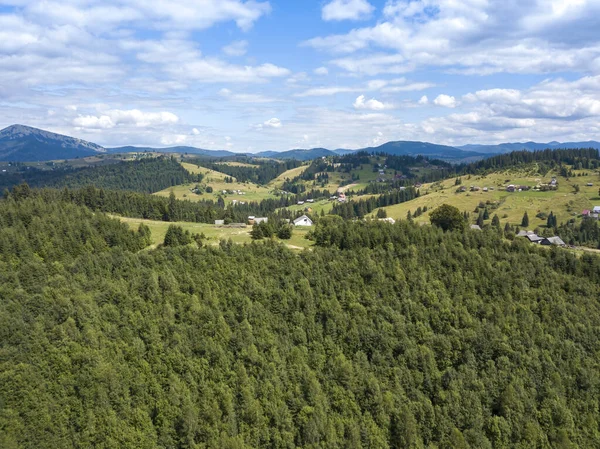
[{"x": 254, "y": 75}]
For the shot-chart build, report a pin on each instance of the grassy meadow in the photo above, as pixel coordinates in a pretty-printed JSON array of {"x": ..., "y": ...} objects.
[
  {"x": 214, "y": 234},
  {"x": 565, "y": 202}
]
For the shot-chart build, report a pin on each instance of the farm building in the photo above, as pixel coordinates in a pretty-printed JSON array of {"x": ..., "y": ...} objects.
[
  {"x": 303, "y": 221},
  {"x": 258, "y": 220},
  {"x": 219, "y": 222},
  {"x": 552, "y": 241},
  {"x": 476, "y": 227}
]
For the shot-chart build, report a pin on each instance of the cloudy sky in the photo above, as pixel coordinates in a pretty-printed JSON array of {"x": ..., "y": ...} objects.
[{"x": 252, "y": 75}]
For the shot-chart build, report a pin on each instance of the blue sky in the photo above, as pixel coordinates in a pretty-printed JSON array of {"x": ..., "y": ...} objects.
[{"x": 262, "y": 75}]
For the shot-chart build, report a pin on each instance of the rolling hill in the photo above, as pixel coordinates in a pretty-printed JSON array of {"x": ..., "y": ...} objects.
[
  {"x": 23, "y": 143},
  {"x": 179, "y": 149},
  {"x": 529, "y": 146}
]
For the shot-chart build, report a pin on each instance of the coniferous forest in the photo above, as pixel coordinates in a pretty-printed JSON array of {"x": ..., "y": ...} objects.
[{"x": 382, "y": 336}]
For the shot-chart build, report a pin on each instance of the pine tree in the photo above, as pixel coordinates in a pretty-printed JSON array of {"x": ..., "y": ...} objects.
[
  {"x": 525, "y": 220},
  {"x": 480, "y": 220},
  {"x": 496, "y": 221}
]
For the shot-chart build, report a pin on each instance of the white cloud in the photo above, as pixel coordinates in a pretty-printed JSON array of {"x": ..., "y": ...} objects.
[
  {"x": 246, "y": 98},
  {"x": 321, "y": 71},
  {"x": 175, "y": 139},
  {"x": 371, "y": 105},
  {"x": 133, "y": 117},
  {"x": 237, "y": 48},
  {"x": 272, "y": 123},
  {"x": 195, "y": 132},
  {"x": 172, "y": 15},
  {"x": 446, "y": 101},
  {"x": 347, "y": 10},
  {"x": 475, "y": 37},
  {"x": 424, "y": 100}
]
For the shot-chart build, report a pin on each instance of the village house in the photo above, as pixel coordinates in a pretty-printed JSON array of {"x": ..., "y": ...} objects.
[
  {"x": 511, "y": 188},
  {"x": 534, "y": 238},
  {"x": 552, "y": 241},
  {"x": 259, "y": 220},
  {"x": 476, "y": 227},
  {"x": 251, "y": 219},
  {"x": 596, "y": 210},
  {"x": 303, "y": 221},
  {"x": 219, "y": 222}
]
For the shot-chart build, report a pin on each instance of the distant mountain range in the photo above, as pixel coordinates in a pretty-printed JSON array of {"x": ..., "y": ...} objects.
[
  {"x": 23, "y": 143},
  {"x": 180, "y": 149},
  {"x": 27, "y": 144},
  {"x": 529, "y": 146}
]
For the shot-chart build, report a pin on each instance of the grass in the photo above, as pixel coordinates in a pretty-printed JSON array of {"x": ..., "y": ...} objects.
[
  {"x": 564, "y": 202},
  {"x": 213, "y": 233},
  {"x": 216, "y": 180},
  {"x": 289, "y": 174},
  {"x": 237, "y": 164}
]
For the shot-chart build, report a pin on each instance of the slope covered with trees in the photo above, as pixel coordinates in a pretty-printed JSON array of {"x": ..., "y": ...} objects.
[
  {"x": 382, "y": 336},
  {"x": 145, "y": 175}
]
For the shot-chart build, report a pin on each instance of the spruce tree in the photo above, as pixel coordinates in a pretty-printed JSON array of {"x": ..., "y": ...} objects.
[{"x": 525, "y": 220}]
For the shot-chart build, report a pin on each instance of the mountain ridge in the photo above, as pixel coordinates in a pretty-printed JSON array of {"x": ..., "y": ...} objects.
[
  {"x": 28, "y": 144},
  {"x": 25, "y": 143}
]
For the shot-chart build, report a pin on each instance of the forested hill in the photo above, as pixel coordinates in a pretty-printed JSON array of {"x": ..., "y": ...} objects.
[
  {"x": 145, "y": 175},
  {"x": 587, "y": 158},
  {"x": 382, "y": 336}
]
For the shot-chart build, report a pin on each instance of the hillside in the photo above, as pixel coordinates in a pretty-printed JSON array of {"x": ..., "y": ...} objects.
[
  {"x": 23, "y": 143},
  {"x": 148, "y": 174},
  {"x": 529, "y": 146},
  {"x": 217, "y": 182},
  {"x": 178, "y": 150},
  {"x": 564, "y": 202},
  {"x": 381, "y": 336},
  {"x": 408, "y": 148}
]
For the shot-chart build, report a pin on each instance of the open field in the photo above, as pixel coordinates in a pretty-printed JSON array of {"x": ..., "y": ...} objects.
[
  {"x": 316, "y": 207},
  {"x": 290, "y": 174},
  {"x": 213, "y": 233},
  {"x": 237, "y": 164},
  {"x": 252, "y": 192},
  {"x": 216, "y": 180},
  {"x": 564, "y": 202},
  {"x": 209, "y": 175}
]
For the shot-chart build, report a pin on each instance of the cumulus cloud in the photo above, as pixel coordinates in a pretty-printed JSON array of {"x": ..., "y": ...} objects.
[
  {"x": 424, "y": 100},
  {"x": 133, "y": 117},
  {"x": 476, "y": 37},
  {"x": 272, "y": 123},
  {"x": 175, "y": 139},
  {"x": 173, "y": 15},
  {"x": 446, "y": 101},
  {"x": 237, "y": 48},
  {"x": 245, "y": 97},
  {"x": 372, "y": 105},
  {"x": 347, "y": 10}
]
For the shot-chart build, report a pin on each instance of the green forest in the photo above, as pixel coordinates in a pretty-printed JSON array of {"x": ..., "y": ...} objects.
[
  {"x": 400, "y": 336},
  {"x": 146, "y": 175}
]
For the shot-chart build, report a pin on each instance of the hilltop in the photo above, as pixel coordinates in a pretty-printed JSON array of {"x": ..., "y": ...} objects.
[{"x": 24, "y": 143}]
